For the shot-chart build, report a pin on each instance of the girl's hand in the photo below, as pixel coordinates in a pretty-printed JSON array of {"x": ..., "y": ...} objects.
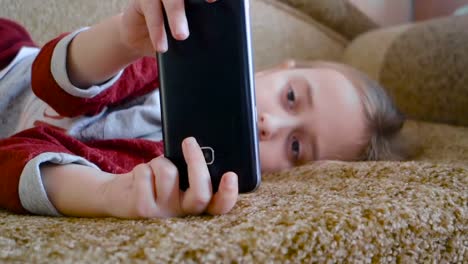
[
  {"x": 142, "y": 26},
  {"x": 152, "y": 190}
]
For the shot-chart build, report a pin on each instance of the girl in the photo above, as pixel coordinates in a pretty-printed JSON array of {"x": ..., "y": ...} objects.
[{"x": 82, "y": 129}]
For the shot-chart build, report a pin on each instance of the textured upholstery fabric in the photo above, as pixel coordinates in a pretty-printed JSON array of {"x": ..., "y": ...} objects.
[
  {"x": 339, "y": 15},
  {"x": 279, "y": 32}
]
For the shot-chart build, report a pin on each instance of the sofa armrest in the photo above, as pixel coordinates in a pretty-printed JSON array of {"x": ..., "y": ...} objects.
[{"x": 422, "y": 65}]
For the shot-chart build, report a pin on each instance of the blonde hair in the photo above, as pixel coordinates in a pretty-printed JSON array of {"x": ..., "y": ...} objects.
[{"x": 385, "y": 121}]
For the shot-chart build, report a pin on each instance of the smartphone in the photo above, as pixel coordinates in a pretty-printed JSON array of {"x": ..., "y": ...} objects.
[{"x": 207, "y": 91}]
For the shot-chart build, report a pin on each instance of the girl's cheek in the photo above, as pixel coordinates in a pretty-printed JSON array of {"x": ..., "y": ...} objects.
[
  {"x": 269, "y": 159},
  {"x": 264, "y": 160}
]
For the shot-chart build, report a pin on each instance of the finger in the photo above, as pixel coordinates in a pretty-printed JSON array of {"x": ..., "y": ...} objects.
[
  {"x": 155, "y": 24},
  {"x": 175, "y": 11},
  {"x": 226, "y": 197},
  {"x": 198, "y": 195},
  {"x": 145, "y": 203},
  {"x": 211, "y": 1},
  {"x": 167, "y": 186}
]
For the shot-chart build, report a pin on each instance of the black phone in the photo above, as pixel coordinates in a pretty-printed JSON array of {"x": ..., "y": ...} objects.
[{"x": 207, "y": 91}]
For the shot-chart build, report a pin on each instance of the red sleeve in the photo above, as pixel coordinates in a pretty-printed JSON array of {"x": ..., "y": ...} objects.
[
  {"x": 137, "y": 79},
  {"x": 113, "y": 156},
  {"x": 15, "y": 152}
]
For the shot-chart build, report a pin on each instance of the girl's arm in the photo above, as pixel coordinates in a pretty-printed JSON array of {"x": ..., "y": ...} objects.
[
  {"x": 73, "y": 186},
  {"x": 150, "y": 190},
  {"x": 99, "y": 53},
  {"x": 76, "y": 190}
]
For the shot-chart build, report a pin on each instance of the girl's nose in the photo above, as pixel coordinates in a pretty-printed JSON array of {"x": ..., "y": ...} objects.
[
  {"x": 270, "y": 125},
  {"x": 264, "y": 127}
]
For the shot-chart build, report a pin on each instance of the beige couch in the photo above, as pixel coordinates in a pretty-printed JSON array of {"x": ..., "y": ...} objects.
[{"x": 387, "y": 212}]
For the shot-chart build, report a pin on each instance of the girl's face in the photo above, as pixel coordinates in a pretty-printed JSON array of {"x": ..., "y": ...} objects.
[{"x": 307, "y": 114}]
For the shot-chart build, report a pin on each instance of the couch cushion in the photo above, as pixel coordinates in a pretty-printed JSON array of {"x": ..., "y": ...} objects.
[
  {"x": 423, "y": 66},
  {"x": 281, "y": 32},
  {"x": 46, "y": 19},
  {"x": 340, "y": 15}
]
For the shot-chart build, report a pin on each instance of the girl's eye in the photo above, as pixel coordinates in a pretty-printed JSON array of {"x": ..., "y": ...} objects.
[
  {"x": 295, "y": 148},
  {"x": 291, "y": 96}
]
